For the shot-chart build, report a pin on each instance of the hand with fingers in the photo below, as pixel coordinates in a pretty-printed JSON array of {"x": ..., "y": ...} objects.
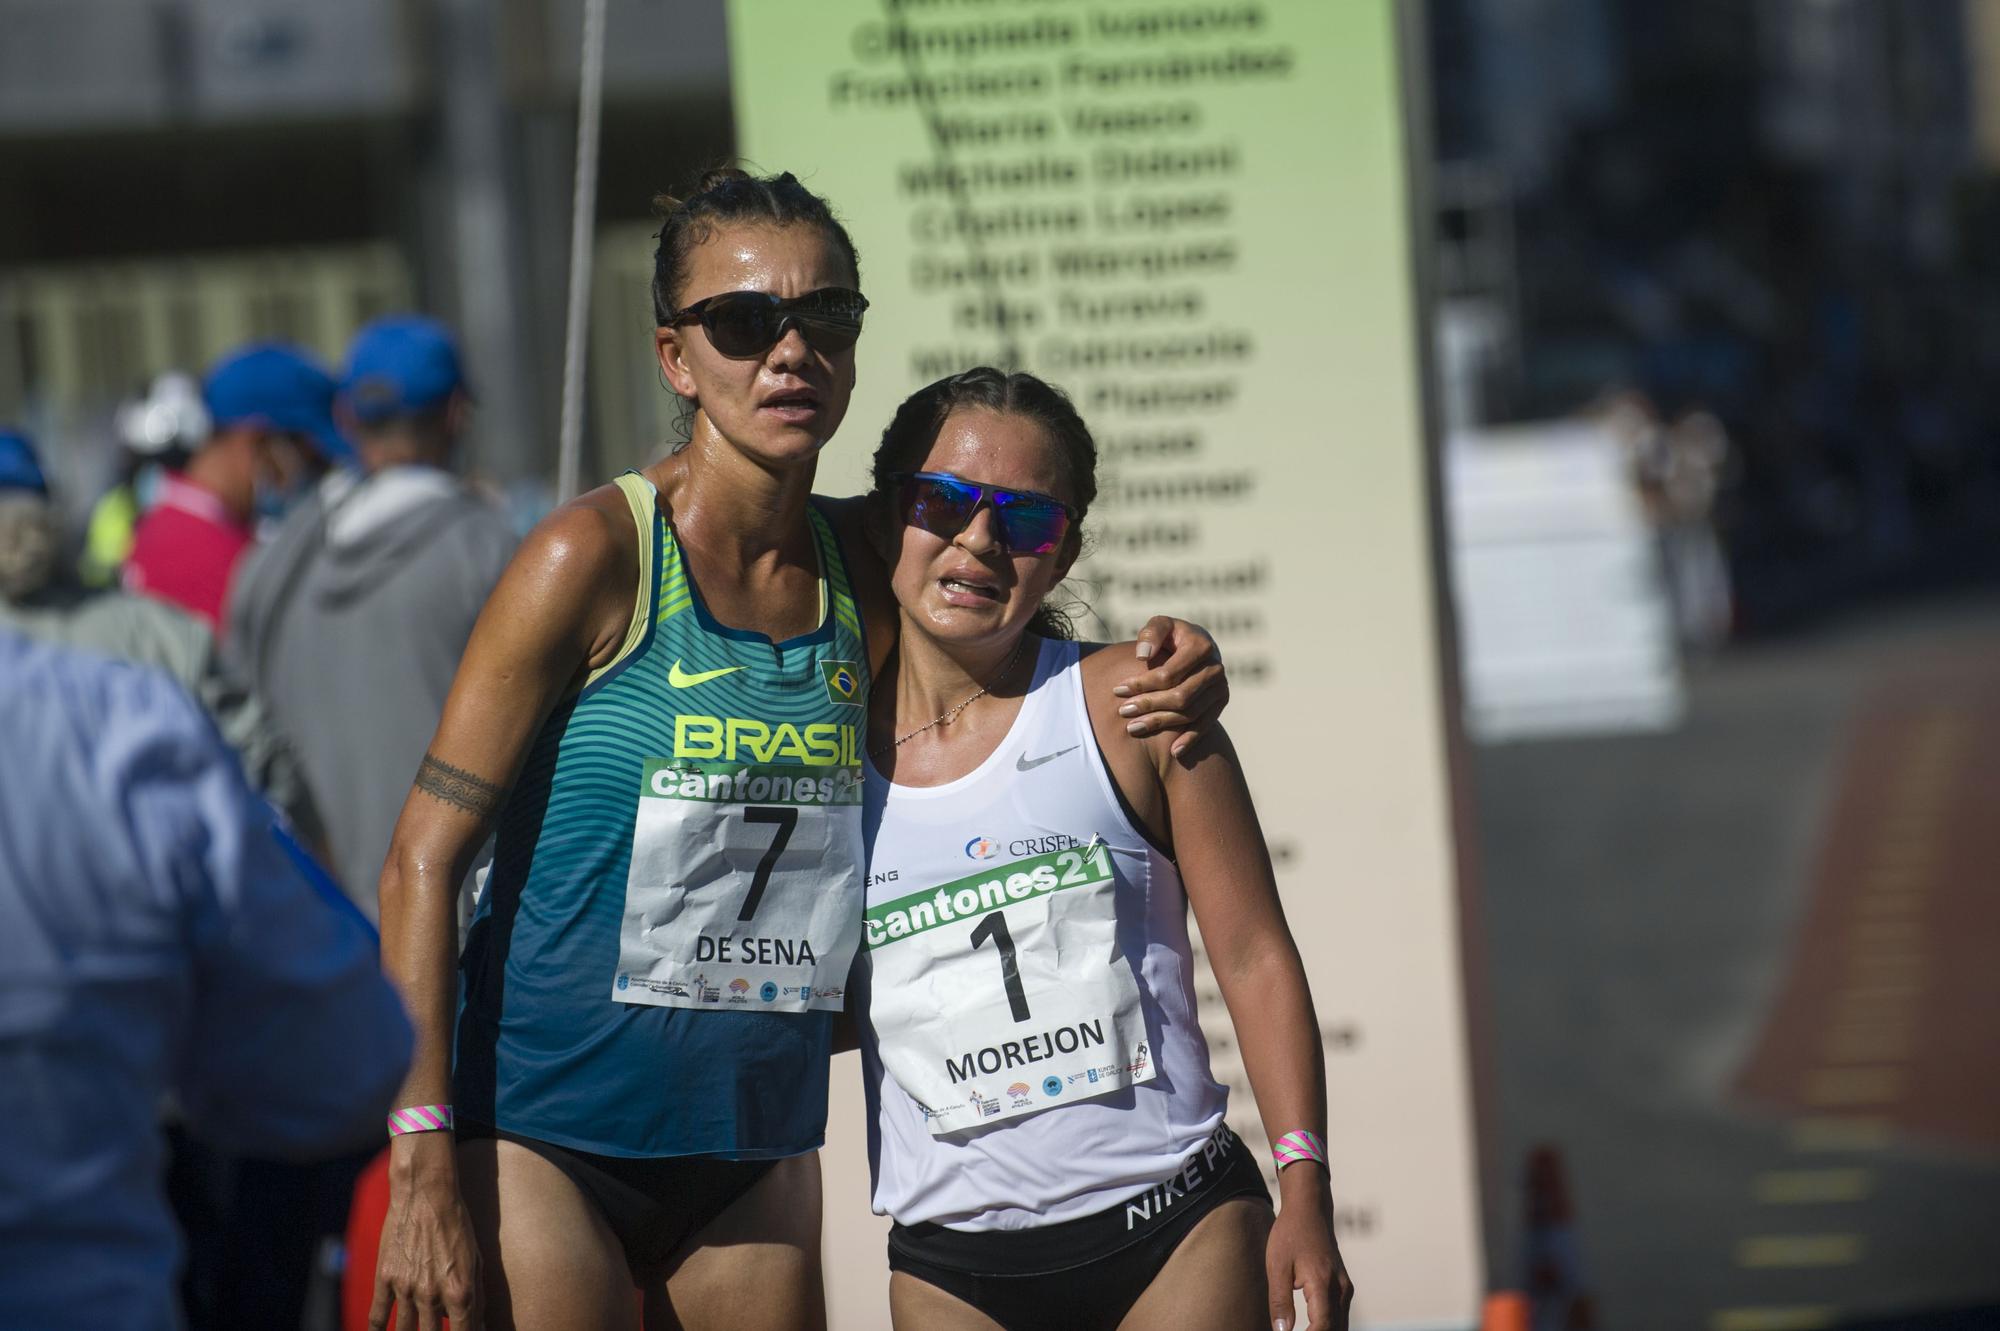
[
  {"x": 428, "y": 1267},
  {"x": 1186, "y": 688},
  {"x": 1302, "y": 1256}
]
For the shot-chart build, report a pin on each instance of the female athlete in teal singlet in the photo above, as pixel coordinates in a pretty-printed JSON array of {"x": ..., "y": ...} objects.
[{"x": 658, "y": 716}]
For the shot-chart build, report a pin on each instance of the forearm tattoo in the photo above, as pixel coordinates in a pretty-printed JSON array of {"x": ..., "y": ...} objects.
[{"x": 456, "y": 786}]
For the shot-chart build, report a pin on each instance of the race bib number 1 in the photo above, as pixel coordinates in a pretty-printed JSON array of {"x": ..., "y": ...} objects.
[
  {"x": 1005, "y": 993},
  {"x": 745, "y": 887}
]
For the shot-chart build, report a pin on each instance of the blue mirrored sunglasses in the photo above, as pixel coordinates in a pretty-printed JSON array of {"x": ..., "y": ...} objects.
[{"x": 1030, "y": 523}]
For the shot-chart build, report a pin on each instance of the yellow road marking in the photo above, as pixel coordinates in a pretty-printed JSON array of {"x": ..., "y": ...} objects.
[
  {"x": 1907, "y": 951},
  {"x": 1923, "y": 774},
  {"x": 1830, "y": 1087},
  {"x": 1879, "y": 991},
  {"x": 1871, "y": 1019},
  {"x": 1875, "y": 1004},
  {"x": 1906, "y": 934},
  {"x": 1803, "y": 1318},
  {"x": 1808, "y": 1187},
  {"x": 1888, "y": 966},
  {"x": 1876, "y": 1042},
  {"x": 1840, "y": 1132},
  {"x": 1901, "y": 842},
  {"x": 1799, "y": 1250},
  {"x": 1907, "y": 888},
  {"x": 1896, "y": 905}
]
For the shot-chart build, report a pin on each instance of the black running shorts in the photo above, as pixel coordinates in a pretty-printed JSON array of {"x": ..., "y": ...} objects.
[
  {"x": 1083, "y": 1274},
  {"x": 653, "y": 1204}
]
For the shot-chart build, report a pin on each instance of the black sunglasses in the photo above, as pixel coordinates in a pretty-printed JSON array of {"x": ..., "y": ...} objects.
[
  {"x": 944, "y": 505},
  {"x": 742, "y": 324}
]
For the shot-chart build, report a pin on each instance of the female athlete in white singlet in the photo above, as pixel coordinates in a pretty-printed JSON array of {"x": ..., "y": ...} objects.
[{"x": 1045, "y": 1129}]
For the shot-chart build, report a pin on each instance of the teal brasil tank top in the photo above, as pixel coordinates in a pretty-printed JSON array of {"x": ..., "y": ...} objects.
[{"x": 675, "y": 899}]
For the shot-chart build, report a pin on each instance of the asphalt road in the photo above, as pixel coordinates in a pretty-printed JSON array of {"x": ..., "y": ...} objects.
[{"x": 1744, "y": 977}]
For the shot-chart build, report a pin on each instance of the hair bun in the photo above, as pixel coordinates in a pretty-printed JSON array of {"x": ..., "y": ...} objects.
[
  {"x": 718, "y": 176},
  {"x": 725, "y": 196},
  {"x": 714, "y": 178}
]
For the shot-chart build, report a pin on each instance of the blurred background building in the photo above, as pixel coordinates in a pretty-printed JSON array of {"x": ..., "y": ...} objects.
[
  {"x": 1769, "y": 209},
  {"x": 192, "y": 173},
  {"x": 1752, "y": 240},
  {"x": 1765, "y": 208},
  {"x": 1774, "y": 210}
]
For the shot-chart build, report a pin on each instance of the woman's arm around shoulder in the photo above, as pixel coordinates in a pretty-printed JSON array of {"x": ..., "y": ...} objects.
[{"x": 1182, "y": 687}]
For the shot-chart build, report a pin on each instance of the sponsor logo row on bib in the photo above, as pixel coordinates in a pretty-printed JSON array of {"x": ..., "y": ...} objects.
[
  {"x": 968, "y": 898},
  {"x": 734, "y": 993}
]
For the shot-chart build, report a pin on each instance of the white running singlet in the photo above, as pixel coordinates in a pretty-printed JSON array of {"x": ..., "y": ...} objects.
[{"x": 1033, "y": 1055}]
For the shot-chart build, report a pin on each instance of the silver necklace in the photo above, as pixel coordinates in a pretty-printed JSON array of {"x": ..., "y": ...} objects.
[{"x": 950, "y": 713}]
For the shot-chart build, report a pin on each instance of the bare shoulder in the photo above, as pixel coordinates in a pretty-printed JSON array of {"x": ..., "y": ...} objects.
[
  {"x": 587, "y": 538},
  {"x": 1136, "y": 764},
  {"x": 574, "y": 577},
  {"x": 1105, "y": 666}
]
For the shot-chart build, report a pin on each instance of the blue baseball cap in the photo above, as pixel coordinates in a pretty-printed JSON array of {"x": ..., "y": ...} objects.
[
  {"x": 400, "y": 364},
  {"x": 20, "y": 469},
  {"x": 277, "y": 386}
]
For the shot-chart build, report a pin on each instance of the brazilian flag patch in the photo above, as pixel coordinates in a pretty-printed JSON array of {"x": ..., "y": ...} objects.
[{"x": 843, "y": 682}]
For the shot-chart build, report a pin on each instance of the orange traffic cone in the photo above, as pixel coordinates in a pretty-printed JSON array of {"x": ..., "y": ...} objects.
[{"x": 1506, "y": 1310}]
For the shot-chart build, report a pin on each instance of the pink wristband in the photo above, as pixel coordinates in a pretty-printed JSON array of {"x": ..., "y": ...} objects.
[
  {"x": 420, "y": 1118},
  {"x": 1296, "y": 1146}
]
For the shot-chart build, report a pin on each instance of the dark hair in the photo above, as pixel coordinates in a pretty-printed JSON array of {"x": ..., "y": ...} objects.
[
  {"x": 726, "y": 195},
  {"x": 921, "y": 418},
  {"x": 430, "y": 422}
]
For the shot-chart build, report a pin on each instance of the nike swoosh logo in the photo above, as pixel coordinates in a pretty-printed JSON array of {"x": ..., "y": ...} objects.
[
  {"x": 681, "y": 679},
  {"x": 1026, "y": 764}
]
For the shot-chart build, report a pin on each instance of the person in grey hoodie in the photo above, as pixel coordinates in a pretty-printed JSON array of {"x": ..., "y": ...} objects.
[{"x": 350, "y": 620}]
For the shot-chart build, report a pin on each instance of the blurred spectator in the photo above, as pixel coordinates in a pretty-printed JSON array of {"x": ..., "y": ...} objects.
[
  {"x": 351, "y": 620},
  {"x": 28, "y": 537},
  {"x": 37, "y": 602},
  {"x": 1679, "y": 471},
  {"x": 158, "y": 934},
  {"x": 157, "y": 433},
  {"x": 1693, "y": 462},
  {"x": 271, "y": 431}
]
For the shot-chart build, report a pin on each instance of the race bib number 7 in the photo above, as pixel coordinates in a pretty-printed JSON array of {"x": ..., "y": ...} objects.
[
  {"x": 1005, "y": 993},
  {"x": 745, "y": 887}
]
